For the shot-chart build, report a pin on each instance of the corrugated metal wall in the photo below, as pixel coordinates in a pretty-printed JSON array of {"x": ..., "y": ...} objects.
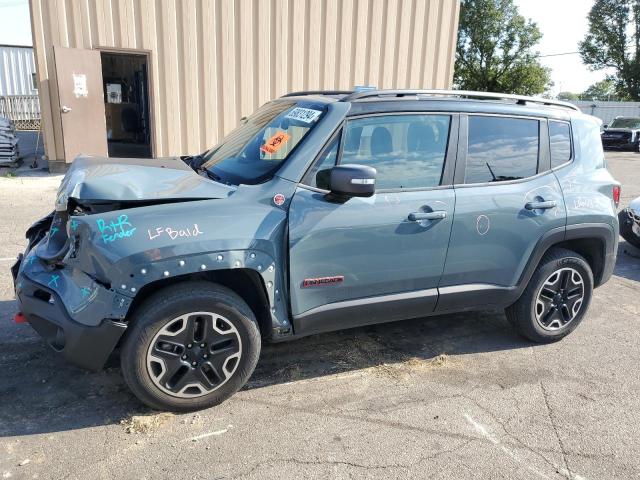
[
  {"x": 607, "y": 111},
  {"x": 214, "y": 61},
  {"x": 16, "y": 68}
]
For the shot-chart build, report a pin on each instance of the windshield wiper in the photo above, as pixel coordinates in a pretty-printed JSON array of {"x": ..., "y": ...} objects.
[
  {"x": 213, "y": 176},
  {"x": 491, "y": 170},
  {"x": 194, "y": 161}
]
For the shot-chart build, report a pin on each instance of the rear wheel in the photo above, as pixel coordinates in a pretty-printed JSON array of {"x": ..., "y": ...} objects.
[
  {"x": 556, "y": 299},
  {"x": 190, "y": 346}
]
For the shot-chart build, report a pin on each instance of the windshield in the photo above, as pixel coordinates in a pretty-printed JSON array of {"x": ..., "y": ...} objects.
[
  {"x": 255, "y": 150},
  {"x": 625, "y": 123}
]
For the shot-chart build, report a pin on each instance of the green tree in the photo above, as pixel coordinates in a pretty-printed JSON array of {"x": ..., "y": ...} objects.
[
  {"x": 602, "y": 90},
  {"x": 568, "y": 96},
  {"x": 613, "y": 41},
  {"x": 495, "y": 50}
]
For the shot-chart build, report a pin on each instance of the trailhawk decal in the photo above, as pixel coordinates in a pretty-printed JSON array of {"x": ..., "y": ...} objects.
[
  {"x": 278, "y": 199},
  {"x": 322, "y": 281}
]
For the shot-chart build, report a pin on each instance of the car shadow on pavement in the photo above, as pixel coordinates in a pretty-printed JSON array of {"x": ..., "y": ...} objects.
[
  {"x": 385, "y": 345},
  {"x": 42, "y": 393}
]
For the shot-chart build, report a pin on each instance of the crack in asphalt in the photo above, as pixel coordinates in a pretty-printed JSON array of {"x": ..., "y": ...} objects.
[
  {"x": 550, "y": 414},
  {"x": 511, "y": 435},
  {"x": 404, "y": 466},
  {"x": 289, "y": 409}
]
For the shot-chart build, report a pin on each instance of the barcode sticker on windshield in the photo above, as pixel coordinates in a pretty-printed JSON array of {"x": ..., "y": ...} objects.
[{"x": 306, "y": 115}]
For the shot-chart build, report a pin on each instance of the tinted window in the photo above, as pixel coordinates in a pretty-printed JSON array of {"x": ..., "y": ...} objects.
[
  {"x": 560, "y": 143},
  {"x": 623, "y": 122},
  {"x": 408, "y": 151},
  {"x": 318, "y": 175},
  {"x": 501, "y": 149}
]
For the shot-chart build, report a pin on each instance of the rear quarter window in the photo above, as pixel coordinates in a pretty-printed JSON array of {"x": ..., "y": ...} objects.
[
  {"x": 586, "y": 131},
  {"x": 559, "y": 143}
]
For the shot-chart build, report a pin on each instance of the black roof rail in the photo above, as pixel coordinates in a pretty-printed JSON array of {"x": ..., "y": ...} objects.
[
  {"x": 317, "y": 92},
  {"x": 519, "y": 99}
]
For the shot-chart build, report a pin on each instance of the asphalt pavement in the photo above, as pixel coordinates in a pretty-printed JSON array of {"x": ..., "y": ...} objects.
[{"x": 450, "y": 397}]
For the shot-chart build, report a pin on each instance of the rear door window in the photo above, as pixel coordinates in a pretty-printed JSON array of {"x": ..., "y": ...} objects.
[
  {"x": 501, "y": 149},
  {"x": 559, "y": 142}
]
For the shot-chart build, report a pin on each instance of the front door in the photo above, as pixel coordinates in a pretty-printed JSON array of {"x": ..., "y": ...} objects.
[
  {"x": 81, "y": 101},
  {"x": 388, "y": 249}
]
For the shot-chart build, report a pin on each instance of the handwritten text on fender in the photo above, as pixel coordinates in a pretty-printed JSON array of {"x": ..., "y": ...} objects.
[{"x": 174, "y": 233}]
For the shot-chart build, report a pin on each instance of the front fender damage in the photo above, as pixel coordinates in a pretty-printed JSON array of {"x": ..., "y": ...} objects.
[
  {"x": 129, "y": 255},
  {"x": 148, "y": 273}
]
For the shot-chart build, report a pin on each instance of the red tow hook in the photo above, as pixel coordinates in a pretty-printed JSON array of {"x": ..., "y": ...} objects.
[{"x": 19, "y": 318}]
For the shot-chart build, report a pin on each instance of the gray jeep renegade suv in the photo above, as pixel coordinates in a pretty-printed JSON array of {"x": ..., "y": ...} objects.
[{"x": 321, "y": 211}]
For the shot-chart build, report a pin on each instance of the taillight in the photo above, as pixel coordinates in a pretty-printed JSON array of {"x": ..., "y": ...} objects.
[{"x": 616, "y": 194}]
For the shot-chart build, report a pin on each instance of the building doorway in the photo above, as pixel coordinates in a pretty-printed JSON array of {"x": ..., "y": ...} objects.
[{"x": 125, "y": 78}]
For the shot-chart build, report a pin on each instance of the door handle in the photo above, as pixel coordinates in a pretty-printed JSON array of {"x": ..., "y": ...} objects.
[
  {"x": 544, "y": 205},
  {"x": 419, "y": 216},
  {"x": 65, "y": 109}
]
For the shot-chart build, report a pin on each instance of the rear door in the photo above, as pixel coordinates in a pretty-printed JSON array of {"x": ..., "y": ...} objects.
[
  {"x": 507, "y": 198},
  {"x": 81, "y": 102},
  {"x": 394, "y": 242}
]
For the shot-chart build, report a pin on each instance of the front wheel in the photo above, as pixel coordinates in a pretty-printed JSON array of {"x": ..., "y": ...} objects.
[
  {"x": 190, "y": 346},
  {"x": 556, "y": 299}
]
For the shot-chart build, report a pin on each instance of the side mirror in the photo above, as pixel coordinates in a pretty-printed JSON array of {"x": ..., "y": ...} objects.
[
  {"x": 605, "y": 126},
  {"x": 352, "y": 180}
]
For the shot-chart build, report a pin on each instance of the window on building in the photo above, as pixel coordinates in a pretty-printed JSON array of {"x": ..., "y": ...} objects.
[
  {"x": 560, "y": 143},
  {"x": 408, "y": 151},
  {"x": 34, "y": 81},
  {"x": 501, "y": 149}
]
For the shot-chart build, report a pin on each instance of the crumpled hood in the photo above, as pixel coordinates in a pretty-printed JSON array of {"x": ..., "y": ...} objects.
[{"x": 99, "y": 179}]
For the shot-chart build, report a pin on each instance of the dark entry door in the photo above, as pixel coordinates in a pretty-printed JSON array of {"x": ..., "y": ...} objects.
[{"x": 126, "y": 104}]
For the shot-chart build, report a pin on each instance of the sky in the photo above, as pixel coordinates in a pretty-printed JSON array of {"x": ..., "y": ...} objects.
[
  {"x": 563, "y": 24},
  {"x": 15, "y": 24}
]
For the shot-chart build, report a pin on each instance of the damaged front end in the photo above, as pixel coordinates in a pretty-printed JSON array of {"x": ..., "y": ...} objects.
[
  {"x": 76, "y": 313},
  {"x": 64, "y": 280}
]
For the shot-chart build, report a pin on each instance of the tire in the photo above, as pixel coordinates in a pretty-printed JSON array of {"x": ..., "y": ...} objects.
[
  {"x": 168, "y": 371},
  {"x": 626, "y": 229},
  {"x": 533, "y": 315}
]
